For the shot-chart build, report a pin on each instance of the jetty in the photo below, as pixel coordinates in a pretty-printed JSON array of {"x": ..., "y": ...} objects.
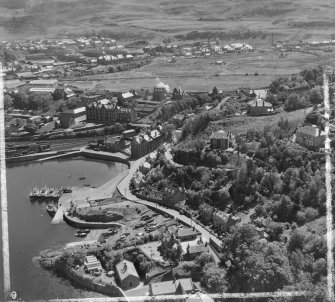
[{"x": 105, "y": 191}]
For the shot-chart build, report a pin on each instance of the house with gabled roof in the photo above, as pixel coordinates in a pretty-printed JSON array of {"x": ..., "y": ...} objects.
[
  {"x": 173, "y": 287},
  {"x": 127, "y": 274},
  {"x": 187, "y": 234},
  {"x": 259, "y": 107},
  {"x": 310, "y": 136}
]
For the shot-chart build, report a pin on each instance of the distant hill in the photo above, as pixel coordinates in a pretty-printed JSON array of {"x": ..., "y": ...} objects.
[{"x": 148, "y": 19}]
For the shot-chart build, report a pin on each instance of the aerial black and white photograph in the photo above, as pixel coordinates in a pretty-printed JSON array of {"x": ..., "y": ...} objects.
[{"x": 167, "y": 150}]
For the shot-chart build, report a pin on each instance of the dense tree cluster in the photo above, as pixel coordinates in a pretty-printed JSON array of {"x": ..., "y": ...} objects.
[{"x": 260, "y": 265}]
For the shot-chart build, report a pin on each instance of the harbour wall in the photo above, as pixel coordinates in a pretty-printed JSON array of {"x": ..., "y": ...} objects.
[
  {"x": 69, "y": 153},
  {"x": 106, "y": 156},
  {"x": 88, "y": 225},
  {"x": 86, "y": 282},
  {"x": 30, "y": 157}
]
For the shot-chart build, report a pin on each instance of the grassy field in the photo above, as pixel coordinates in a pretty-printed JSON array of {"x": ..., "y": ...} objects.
[
  {"x": 151, "y": 19},
  {"x": 241, "y": 124},
  {"x": 199, "y": 74}
]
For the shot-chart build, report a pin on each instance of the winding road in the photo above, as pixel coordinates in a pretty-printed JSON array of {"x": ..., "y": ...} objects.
[{"x": 123, "y": 188}]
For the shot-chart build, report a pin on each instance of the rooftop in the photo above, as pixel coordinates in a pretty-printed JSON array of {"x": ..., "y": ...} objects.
[
  {"x": 219, "y": 135},
  {"x": 310, "y": 130},
  {"x": 170, "y": 287},
  {"x": 187, "y": 232},
  {"x": 259, "y": 103},
  {"x": 126, "y": 268}
]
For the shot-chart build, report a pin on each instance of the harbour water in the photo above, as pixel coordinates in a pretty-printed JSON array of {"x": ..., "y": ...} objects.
[{"x": 30, "y": 230}]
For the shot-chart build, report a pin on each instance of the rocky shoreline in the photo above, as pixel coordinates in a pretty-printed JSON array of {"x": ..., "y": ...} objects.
[{"x": 49, "y": 260}]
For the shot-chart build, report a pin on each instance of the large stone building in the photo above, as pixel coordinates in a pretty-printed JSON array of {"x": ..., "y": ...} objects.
[
  {"x": 115, "y": 144},
  {"x": 145, "y": 143},
  {"x": 310, "y": 136},
  {"x": 160, "y": 93},
  {"x": 108, "y": 114},
  {"x": 259, "y": 107},
  {"x": 72, "y": 117}
]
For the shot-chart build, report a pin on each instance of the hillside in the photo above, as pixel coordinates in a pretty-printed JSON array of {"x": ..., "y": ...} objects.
[{"x": 127, "y": 19}]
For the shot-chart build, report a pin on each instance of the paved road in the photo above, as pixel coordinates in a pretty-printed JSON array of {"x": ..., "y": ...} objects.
[{"x": 123, "y": 188}]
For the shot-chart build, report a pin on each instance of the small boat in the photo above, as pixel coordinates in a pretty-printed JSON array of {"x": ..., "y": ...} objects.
[
  {"x": 67, "y": 190},
  {"x": 13, "y": 295},
  {"x": 80, "y": 234},
  {"x": 51, "y": 209}
]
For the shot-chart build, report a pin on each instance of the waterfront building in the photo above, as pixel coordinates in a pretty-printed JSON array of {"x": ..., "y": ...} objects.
[
  {"x": 127, "y": 274},
  {"x": 115, "y": 144},
  {"x": 108, "y": 114},
  {"x": 72, "y": 117},
  {"x": 145, "y": 143}
]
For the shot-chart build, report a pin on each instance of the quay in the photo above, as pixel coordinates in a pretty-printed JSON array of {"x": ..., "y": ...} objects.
[{"x": 82, "y": 195}]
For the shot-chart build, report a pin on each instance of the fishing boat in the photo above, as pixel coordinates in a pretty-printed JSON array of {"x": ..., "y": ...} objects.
[
  {"x": 45, "y": 194},
  {"x": 51, "y": 209}
]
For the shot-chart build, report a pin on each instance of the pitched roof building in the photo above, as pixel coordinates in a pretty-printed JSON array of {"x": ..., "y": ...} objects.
[
  {"x": 310, "y": 136},
  {"x": 173, "y": 287},
  {"x": 259, "y": 107},
  {"x": 187, "y": 234},
  {"x": 127, "y": 274}
]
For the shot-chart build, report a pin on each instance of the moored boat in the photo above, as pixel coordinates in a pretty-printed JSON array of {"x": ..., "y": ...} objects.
[
  {"x": 51, "y": 209},
  {"x": 45, "y": 194},
  {"x": 80, "y": 234}
]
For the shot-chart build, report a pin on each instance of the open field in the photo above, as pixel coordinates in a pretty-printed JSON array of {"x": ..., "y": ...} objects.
[
  {"x": 150, "y": 19},
  {"x": 199, "y": 74},
  {"x": 241, "y": 124}
]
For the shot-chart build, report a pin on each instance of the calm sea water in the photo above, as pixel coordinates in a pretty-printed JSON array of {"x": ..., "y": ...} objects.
[{"x": 30, "y": 230}]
